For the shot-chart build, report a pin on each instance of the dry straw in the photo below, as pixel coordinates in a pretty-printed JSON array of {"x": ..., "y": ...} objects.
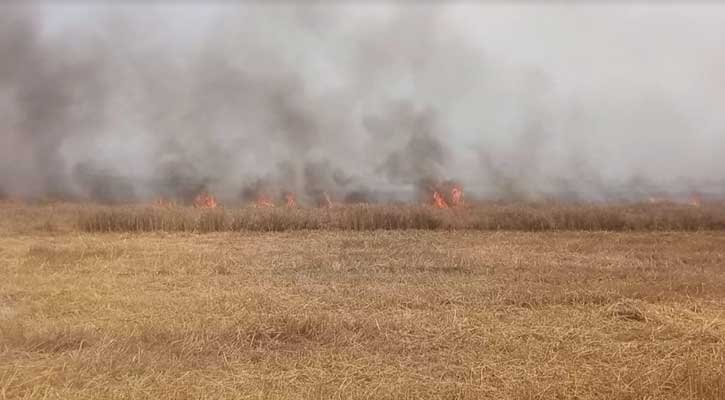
[{"x": 490, "y": 216}]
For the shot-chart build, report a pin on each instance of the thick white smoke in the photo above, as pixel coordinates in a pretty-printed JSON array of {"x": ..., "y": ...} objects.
[{"x": 121, "y": 102}]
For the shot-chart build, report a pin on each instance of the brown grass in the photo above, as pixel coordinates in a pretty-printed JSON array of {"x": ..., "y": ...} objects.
[
  {"x": 532, "y": 217},
  {"x": 517, "y": 217},
  {"x": 378, "y": 314}
]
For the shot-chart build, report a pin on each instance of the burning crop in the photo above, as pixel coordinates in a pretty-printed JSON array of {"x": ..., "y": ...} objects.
[
  {"x": 447, "y": 194},
  {"x": 264, "y": 201},
  {"x": 457, "y": 196},
  {"x": 438, "y": 200},
  {"x": 290, "y": 200},
  {"x": 205, "y": 200},
  {"x": 694, "y": 200}
]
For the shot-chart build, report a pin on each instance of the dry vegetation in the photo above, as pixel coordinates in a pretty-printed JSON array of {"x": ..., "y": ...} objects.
[
  {"x": 534, "y": 217},
  {"x": 484, "y": 216},
  {"x": 377, "y": 314},
  {"x": 519, "y": 217}
]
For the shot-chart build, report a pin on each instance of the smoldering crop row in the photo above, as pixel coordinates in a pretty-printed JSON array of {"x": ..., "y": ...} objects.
[{"x": 299, "y": 99}]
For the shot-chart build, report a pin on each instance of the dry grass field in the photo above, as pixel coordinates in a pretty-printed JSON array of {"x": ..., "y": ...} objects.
[
  {"x": 327, "y": 312},
  {"x": 491, "y": 216}
]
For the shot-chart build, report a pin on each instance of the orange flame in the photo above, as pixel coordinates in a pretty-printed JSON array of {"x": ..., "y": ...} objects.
[
  {"x": 695, "y": 200},
  {"x": 290, "y": 199},
  {"x": 264, "y": 201},
  {"x": 205, "y": 200},
  {"x": 456, "y": 196},
  {"x": 438, "y": 200}
]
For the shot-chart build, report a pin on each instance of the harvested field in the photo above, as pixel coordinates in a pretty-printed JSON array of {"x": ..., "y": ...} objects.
[
  {"x": 344, "y": 314},
  {"x": 347, "y": 200}
]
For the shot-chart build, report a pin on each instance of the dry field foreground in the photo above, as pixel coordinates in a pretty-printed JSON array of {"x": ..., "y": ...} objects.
[{"x": 382, "y": 314}]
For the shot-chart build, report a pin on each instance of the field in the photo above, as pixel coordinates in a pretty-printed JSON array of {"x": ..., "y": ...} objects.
[
  {"x": 490, "y": 216},
  {"x": 581, "y": 303}
]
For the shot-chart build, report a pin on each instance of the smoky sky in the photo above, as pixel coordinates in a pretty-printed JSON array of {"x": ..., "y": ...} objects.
[{"x": 121, "y": 103}]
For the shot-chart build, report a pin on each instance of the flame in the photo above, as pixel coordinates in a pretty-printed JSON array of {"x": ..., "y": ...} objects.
[
  {"x": 456, "y": 196},
  {"x": 445, "y": 194},
  {"x": 290, "y": 199},
  {"x": 205, "y": 200},
  {"x": 264, "y": 201},
  {"x": 438, "y": 200},
  {"x": 695, "y": 200}
]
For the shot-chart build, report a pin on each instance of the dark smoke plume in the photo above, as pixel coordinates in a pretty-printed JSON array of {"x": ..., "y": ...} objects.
[{"x": 56, "y": 90}]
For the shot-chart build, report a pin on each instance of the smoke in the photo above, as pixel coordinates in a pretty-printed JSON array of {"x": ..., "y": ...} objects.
[
  {"x": 422, "y": 154},
  {"x": 359, "y": 103},
  {"x": 96, "y": 182},
  {"x": 55, "y": 91}
]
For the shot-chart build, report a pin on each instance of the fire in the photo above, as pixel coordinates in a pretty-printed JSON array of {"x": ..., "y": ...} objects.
[
  {"x": 456, "y": 196},
  {"x": 205, "y": 200},
  {"x": 446, "y": 194},
  {"x": 438, "y": 200},
  {"x": 695, "y": 200},
  {"x": 264, "y": 201},
  {"x": 290, "y": 199}
]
